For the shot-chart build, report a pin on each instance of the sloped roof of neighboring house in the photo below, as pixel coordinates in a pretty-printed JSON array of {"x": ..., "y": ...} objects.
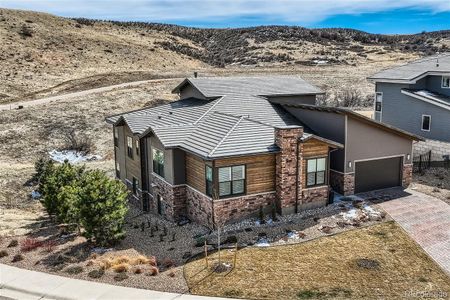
[
  {"x": 348, "y": 112},
  {"x": 212, "y": 87},
  {"x": 429, "y": 96},
  {"x": 236, "y": 122},
  {"x": 411, "y": 72}
]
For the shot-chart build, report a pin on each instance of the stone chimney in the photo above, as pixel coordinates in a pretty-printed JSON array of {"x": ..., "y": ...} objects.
[{"x": 287, "y": 172}]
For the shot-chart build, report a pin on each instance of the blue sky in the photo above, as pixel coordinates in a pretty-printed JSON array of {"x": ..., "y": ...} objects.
[{"x": 377, "y": 16}]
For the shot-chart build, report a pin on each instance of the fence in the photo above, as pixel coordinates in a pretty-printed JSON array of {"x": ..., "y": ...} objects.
[{"x": 422, "y": 162}]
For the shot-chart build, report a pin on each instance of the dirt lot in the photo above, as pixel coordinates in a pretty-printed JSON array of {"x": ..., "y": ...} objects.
[
  {"x": 434, "y": 182},
  {"x": 376, "y": 262}
]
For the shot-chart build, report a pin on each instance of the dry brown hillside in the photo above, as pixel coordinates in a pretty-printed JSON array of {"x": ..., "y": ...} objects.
[{"x": 41, "y": 54}]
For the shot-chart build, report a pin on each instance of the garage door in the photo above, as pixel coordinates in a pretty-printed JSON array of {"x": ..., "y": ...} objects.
[{"x": 377, "y": 174}]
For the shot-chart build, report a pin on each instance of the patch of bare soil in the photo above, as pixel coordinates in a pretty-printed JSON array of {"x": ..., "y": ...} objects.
[{"x": 434, "y": 182}]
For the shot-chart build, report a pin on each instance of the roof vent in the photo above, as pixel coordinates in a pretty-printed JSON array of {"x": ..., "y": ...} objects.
[
  {"x": 170, "y": 113},
  {"x": 437, "y": 62},
  {"x": 159, "y": 117},
  {"x": 195, "y": 74}
]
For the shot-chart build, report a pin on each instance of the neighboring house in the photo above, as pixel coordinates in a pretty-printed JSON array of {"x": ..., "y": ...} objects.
[
  {"x": 416, "y": 97},
  {"x": 232, "y": 145}
]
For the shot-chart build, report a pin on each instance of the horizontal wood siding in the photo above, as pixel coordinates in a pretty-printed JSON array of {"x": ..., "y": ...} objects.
[
  {"x": 195, "y": 172},
  {"x": 260, "y": 171},
  {"x": 313, "y": 148}
]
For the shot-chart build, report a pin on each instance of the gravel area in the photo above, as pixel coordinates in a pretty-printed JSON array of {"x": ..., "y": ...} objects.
[{"x": 172, "y": 245}]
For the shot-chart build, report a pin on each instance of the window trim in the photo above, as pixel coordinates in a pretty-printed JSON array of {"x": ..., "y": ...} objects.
[
  {"x": 117, "y": 169},
  {"x": 442, "y": 82},
  {"x": 429, "y": 123},
  {"x": 130, "y": 149},
  {"x": 211, "y": 182},
  {"x": 136, "y": 146},
  {"x": 325, "y": 181},
  {"x": 375, "y": 103},
  {"x": 153, "y": 162},
  {"x": 231, "y": 181}
]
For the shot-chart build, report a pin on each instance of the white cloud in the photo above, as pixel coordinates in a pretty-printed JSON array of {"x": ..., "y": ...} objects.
[{"x": 300, "y": 11}]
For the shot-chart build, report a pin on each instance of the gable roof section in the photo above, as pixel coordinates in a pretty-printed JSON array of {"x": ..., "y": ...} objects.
[
  {"x": 213, "y": 87},
  {"x": 411, "y": 72},
  {"x": 430, "y": 97},
  {"x": 360, "y": 117}
]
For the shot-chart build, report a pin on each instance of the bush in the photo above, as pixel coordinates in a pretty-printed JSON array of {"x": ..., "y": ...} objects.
[
  {"x": 49, "y": 246},
  {"x": 168, "y": 263},
  {"x": 120, "y": 268},
  {"x": 153, "y": 271},
  {"x": 74, "y": 270},
  {"x": 26, "y": 31},
  {"x": 18, "y": 257},
  {"x": 120, "y": 277},
  {"x": 102, "y": 205},
  {"x": 3, "y": 253},
  {"x": 13, "y": 243},
  {"x": 96, "y": 273},
  {"x": 30, "y": 244}
]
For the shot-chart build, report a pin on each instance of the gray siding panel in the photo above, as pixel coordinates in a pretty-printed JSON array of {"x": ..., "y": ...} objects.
[
  {"x": 434, "y": 84},
  {"x": 406, "y": 112}
]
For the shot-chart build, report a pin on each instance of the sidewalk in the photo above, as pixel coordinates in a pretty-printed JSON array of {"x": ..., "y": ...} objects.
[{"x": 21, "y": 284}]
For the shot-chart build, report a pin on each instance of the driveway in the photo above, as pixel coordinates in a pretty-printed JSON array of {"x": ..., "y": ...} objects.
[
  {"x": 427, "y": 221},
  {"x": 18, "y": 283}
]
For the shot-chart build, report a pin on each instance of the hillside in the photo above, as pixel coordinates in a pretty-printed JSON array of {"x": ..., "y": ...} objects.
[{"x": 41, "y": 54}]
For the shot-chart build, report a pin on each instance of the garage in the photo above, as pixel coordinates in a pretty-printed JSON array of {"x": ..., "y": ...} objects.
[{"x": 377, "y": 174}]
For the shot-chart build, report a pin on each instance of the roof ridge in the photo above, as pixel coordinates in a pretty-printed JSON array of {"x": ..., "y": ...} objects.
[
  {"x": 225, "y": 136},
  {"x": 248, "y": 118},
  {"x": 208, "y": 110}
]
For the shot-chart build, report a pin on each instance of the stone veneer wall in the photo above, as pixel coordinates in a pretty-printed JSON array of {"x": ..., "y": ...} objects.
[
  {"x": 407, "y": 175},
  {"x": 174, "y": 198},
  {"x": 342, "y": 183},
  {"x": 438, "y": 148},
  {"x": 199, "y": 207},
  {"x": 286, "y": 167},
  {"x": 314, "y": 197}
]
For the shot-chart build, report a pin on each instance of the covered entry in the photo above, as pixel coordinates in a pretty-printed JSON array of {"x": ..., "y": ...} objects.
[{"x": 377, "y": 174}]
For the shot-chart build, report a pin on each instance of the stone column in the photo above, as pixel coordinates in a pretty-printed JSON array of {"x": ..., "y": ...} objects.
[
  {"x": 286, "y": 167},
  {"x": 407, "y": 175}
]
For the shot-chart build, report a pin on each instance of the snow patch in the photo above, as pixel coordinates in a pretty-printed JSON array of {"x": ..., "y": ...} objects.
[
  {"x": 262, "y": 242},
  {"x": 350, "y": 215},
  {"x": 71, "y": 156},
  {"x": 35, "y": 195}
]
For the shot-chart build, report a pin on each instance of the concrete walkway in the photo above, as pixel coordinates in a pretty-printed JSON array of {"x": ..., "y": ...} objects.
[
  {"x": 27, "y": 103},
  {"x": 427, "y": 221},
  {"x": 21, "y": 284}
]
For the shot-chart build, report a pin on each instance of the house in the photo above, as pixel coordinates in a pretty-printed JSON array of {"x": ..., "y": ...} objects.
[
  {"x": 416, "y": 97},
  {"x": 233, "y": 145}
]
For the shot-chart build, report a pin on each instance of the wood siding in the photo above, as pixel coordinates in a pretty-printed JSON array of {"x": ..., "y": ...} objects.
[
  {"x": 132, "y": 165},
  {"x": 195, "y": 172},
  {"x": 313, "y": 148},
  {"x": 260, "y": 171}
]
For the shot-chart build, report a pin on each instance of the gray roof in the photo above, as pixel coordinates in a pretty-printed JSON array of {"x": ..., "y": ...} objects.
[
  {"x": 435, "y": 98},
  {"x": 237, "y": 122},
  {"x": 411, "y": 71},
  {"x": 212, "y": 87}
]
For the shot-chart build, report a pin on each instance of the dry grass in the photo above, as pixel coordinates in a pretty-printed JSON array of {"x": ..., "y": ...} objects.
[{"x": 328, "y": 267}]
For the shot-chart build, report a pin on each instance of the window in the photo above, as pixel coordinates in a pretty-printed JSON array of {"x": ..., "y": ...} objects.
[
  {"x": 117, "y": 169},
  {"x": 315, "y": 171},
  {"x": 130, "y": 146},
  {"x": 426, "y": 123},
  {"x": 446, "y": 82},
  {"x": 378, "y": 101},
  {"x": 116, "y": 136},
  {"x": 158, "y": 162},
  {"x": 209, "y": 180},
  {"x": 137, "y": 147},
  {"x": 135, "y": 186},
  {"x": 231, "y": 180}
]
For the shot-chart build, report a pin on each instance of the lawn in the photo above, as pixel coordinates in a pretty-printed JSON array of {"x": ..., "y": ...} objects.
[{"x": 380, "y": 261}]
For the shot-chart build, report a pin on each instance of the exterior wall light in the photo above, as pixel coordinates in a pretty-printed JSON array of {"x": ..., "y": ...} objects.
[
  {"x": 408, "y": 156},
  {"x": 349, "y": 164}
]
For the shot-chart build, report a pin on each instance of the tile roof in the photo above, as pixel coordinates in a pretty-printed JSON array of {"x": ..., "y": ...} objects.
[
  {"x": 236, "y": 122},
  {"x": 409, "y": 72}
]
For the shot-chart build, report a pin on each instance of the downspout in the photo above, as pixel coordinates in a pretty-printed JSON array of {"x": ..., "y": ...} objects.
[
  {"x": 297, "y": 176},
  {"x": 213, "y": 194}
]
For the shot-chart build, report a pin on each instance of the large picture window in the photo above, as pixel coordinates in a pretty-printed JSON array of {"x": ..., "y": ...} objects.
[
  {"x": 158, "y": 161},
  {"x": 316, "y": 171},
  {"x": 130, "y": 146},
  {"x": 209, "y": 180},
  {"x": 231, "y": 180}
]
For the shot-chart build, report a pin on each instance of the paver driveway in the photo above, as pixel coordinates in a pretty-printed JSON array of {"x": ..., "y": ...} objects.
[{"x": 427, "y": 221}]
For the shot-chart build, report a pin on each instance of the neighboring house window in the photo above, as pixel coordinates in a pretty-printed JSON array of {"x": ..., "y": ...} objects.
[
  {"x": 426, "y": 123},
  {"x": 209, "y": 180},
  {"x": 446, "y": 82},
  {"x": 316, "y": 171},
  {"x": 231, "y": 180},
  {"x": 137, "y": 147},
  {"x": 130, "y": 146},
  {"x": 117, "y": 169},
  {"x": 378, "y": 101},
  {"x": 135, "y": 186},
  {"x": 116, "y": 136},
  {"x": 158, "y": 162}
]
